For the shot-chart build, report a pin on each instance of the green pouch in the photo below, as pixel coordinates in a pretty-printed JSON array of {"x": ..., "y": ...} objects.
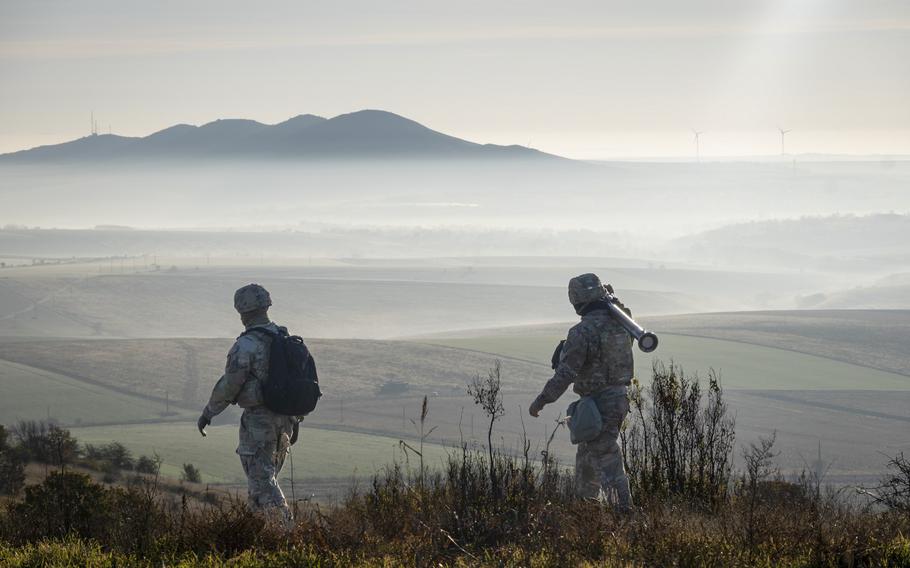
[{"x": 585, "y": 421}]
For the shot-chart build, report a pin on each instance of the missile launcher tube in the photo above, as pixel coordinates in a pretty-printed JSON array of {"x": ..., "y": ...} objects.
[{"x": 647, "y": 341}]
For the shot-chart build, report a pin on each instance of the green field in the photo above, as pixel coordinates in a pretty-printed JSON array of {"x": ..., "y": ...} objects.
[
  {"x": 742, "y": 366},
  {"x": 320, "y": 454},
  {"x": 186, "y": 369},
  {"x": 354, "y": 432},
  {"x": 35, "y": 394},
  {"x": 871, "y": 338}
]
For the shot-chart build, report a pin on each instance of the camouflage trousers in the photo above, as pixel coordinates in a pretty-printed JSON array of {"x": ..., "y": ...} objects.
[
  {"x": 265, "y": 439},
  {"x": 599, "y": 469}
]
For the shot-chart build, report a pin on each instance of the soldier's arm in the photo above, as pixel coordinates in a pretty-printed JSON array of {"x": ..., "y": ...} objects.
[
  {"x": 574, "y": 354},
  {"x": 236, "y": 373}
]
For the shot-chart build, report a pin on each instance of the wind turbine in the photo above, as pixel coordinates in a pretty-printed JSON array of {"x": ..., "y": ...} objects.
[
  {"x": 782, "y": 134},
  {"x": 697, "y": 133}
]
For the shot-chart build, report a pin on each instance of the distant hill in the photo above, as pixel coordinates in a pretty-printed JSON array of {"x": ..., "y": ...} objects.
[
  {"x": 363, "y": 134},
  {"x": 874, "y": 243}
]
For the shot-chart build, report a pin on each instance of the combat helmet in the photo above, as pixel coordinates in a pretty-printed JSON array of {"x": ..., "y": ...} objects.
[
  {"x": 586, "y": 288},
  {"x": 250, "y": 298}
]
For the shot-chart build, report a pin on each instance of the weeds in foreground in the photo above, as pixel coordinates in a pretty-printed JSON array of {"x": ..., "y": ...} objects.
[
  {"x": 450, "y": 517},
  {"x": 486, "y": 507},
  {"x": 678, "y": 441},
  {"x": 487, "y": 394},
  {"x": 894, "y": 490}
]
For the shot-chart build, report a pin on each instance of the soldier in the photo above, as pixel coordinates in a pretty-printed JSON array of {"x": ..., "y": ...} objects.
[
  {"x": 265, "y": 437},
  {"x": 597, "y": 358}
]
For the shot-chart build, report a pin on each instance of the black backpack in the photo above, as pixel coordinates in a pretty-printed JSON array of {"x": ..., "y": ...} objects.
[{"x": 292, "y": 388}]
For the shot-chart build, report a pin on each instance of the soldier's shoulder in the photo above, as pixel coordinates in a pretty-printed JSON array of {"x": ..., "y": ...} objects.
[
  {"x": 586, "y": 324},
  {"x": 580, "y": 330},
  {"x": 246, "y": 343}
]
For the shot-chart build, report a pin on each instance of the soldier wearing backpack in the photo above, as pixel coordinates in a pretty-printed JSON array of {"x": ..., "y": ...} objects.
[{"x": 268, "y": 374}]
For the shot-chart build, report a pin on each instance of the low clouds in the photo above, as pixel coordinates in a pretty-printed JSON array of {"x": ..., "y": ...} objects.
[{"x": 188, "y": 42}]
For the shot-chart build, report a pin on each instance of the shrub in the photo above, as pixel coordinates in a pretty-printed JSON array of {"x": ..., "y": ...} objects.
[
  {"x": 191, "y": 473},
  {"x": 62, "y": 447},
  {"x": 66, "y": 503},
  {"x": 678, "y": 440},
  {"x": 111, "y": 474},
  {"x": 759, "y": 460},
  {"x": 31, "y": 436},
  {"x": 12, "y": 468},
  {"x": 148, "y": 465},
  {"x": 894, "y": 490},
  {"x": 45, "y": 442},
  {"x": 114, "y": 453},
  {"x": 12, "y": 473},
  {"x": 487, "y": 394}
]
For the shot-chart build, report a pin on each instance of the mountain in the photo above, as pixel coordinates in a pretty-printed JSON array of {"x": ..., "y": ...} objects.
[{"x": 363, "y": 134}]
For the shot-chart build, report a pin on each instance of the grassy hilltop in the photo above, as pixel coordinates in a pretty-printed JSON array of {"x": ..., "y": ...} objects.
[{"x": 693, "y": 508}]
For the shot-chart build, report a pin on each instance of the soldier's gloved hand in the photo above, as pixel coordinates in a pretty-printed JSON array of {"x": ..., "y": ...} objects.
[
  {"x": 295, "y": 433},
  {"x": 202, "y": 423},
  {"x": 535, "y": 408}
]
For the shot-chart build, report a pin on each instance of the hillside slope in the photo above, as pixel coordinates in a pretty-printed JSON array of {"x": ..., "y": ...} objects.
[
  {"x": 876, "y": 339},
  {"x": 873, "y": 338}
]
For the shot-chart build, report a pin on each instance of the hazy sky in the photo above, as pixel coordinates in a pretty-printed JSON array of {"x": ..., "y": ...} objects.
[{"x": 594, "y": 79}]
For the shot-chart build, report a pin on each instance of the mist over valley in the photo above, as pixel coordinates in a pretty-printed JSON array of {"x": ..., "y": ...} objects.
[{"x": 383, "y": 240}]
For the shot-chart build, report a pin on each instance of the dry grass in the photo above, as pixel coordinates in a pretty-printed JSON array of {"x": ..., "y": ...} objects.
[
  {"x": 454, "y": 518},
  {"x": 508, "y": 510}
]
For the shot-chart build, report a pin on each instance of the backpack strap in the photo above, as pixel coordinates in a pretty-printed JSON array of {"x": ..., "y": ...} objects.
[
  {"x": 264, "y": 330},
  {"x": 554, "y": 361}
]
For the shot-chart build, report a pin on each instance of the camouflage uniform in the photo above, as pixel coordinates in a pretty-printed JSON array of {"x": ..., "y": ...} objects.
[
  {"x": 597, "y": 359},
  {"x": 265, "y": 437}
]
